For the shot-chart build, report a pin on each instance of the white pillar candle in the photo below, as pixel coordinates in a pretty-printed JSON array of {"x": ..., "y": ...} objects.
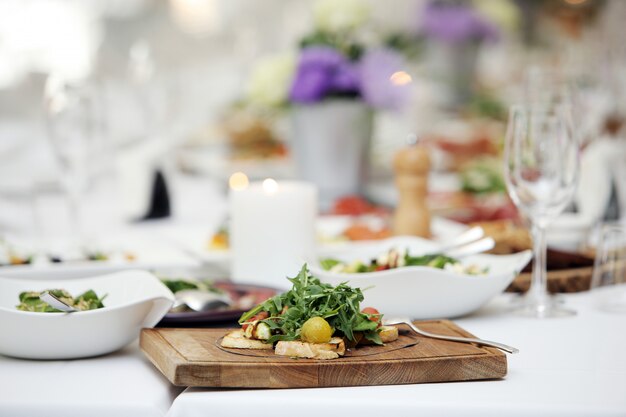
[{"x": 272, "y": 230}]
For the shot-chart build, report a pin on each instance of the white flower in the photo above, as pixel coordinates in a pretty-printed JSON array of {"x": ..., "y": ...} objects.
[
  {"x": 340, "y": 15},
  {"x": 271, "y": 79}
]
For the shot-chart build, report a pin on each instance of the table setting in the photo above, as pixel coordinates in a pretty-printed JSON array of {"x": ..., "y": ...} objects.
[{"x": 212, "y": 209}]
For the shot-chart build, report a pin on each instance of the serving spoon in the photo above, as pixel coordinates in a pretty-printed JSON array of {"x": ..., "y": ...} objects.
[
  {"x": 54, "y": 302},
  {"x": 468, "y": 236},
  {"x": 198, "y": 300},
  {"x": 408, "y": 322},
  {"x": 471, "y": 248}
]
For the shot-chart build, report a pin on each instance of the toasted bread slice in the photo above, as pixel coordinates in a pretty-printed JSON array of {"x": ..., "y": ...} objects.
[
  {"x": 387, "y": 334},
  {"x": 297, "y": 349},
  {"x": 236, "y": 339}
]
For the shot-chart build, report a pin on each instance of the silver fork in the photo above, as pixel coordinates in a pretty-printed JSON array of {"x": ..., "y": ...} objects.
[
  {"x": 403, "y": 320},
  {"x": 55, "y": 302}
]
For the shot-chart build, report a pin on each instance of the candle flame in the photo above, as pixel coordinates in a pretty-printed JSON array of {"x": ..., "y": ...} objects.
[
  {"x": 238, "y": 181},
  {"x": 400, "y": 78},
  {"x": 270, "y": 185}
]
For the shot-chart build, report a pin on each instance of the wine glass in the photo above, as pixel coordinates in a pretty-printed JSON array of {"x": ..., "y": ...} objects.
[
  {"x": 552, "y": 89},
  {"x": 73, "y": 125},
  {"x": 608, "y": 282},
  {"x": 541, "y": 158}
]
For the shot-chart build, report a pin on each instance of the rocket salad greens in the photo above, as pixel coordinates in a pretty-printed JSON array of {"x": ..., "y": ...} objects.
[{"x": 286, "y": 313}]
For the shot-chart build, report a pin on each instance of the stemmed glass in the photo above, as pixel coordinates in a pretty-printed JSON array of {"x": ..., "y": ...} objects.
[
  {"x": 609, "y": 273},
  {"x": 541, "y": 160},
  {"x": 72, "y": 122}
]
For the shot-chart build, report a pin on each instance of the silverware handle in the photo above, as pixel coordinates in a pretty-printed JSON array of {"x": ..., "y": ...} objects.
[{"x": 501, "y": 346}]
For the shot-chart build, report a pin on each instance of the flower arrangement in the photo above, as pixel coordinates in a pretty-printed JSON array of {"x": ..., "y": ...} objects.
[
  {"x": 456, "y": 22},
  {"x": 334, "y": 61}
]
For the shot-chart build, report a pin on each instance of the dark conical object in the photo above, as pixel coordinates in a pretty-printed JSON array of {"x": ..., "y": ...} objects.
[{"x": 160, "y": 200}]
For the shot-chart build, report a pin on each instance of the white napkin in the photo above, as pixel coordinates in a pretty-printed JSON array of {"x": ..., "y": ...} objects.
[{"x": 594, "y": 188}]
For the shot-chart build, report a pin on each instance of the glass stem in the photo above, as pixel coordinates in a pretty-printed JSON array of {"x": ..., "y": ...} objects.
[
  {"x": 539, "y": 285},
  {"x": 73, "y": 195}
]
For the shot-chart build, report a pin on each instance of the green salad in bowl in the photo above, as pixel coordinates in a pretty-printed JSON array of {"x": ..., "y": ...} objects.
[
  {"x": 30, "y": 301},
  {"x": 398, "y": 258}
]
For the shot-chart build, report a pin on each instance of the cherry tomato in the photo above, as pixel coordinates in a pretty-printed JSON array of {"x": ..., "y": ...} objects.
[
  {"x": 352, "y": 205},
  {"x": 372, "y": 312},
  {"x": 260, "y": 316}
]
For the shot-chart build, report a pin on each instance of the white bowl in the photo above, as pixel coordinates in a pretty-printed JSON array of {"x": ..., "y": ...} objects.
[
  {"x": 134, "y": 300},
  {"x": 423, "y": 292}
]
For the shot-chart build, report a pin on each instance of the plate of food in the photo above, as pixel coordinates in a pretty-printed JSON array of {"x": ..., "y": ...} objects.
[
  {"x": 204, "y": 302},
  {"x": 408, "y": 276},
  {"x": 28, "y": 258},
  {"x": 112, "y": 309},
  {"x": 317, "y": 335}
]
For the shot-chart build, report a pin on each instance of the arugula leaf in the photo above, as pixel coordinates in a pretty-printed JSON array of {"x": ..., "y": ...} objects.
[
  {"x": 309, "y": 297},
  {"x": 373, "y": 336},
  {"x": 435, "y": 260},
  {"x": 328, "y": 263},
  {"x": 176, "y": 285}
]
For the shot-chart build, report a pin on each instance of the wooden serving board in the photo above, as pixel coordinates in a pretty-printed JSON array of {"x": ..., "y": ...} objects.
[{"x": 194, "y": 358}]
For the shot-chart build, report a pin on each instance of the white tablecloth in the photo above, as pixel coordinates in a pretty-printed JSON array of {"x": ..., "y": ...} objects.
[
  {"x": 566, "y": 367},
  {"x": 123, "y": 384}
]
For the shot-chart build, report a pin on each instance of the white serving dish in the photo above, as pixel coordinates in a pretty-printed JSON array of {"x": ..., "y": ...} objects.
[
  {"x": 424, "y": 292},
  {"x": 135, "y": 300}
]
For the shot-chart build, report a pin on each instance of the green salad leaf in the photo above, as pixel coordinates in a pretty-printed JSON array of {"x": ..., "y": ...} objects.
[
  {"x": 176, "y": 285},
  {"x": 340, "y": 306},
  {"x": 434, "y": 260},
  {"x": 395, "y": 258},
  {"x": 30, "y": 301}
]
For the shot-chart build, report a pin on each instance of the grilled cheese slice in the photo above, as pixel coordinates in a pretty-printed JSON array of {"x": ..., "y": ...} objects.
[{"x": 297, "y": 349}]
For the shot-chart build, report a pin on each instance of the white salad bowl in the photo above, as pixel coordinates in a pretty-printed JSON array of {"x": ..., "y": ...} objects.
[
  {"x": 134, "y": 300},
  {"x": 423, "y": 292}
]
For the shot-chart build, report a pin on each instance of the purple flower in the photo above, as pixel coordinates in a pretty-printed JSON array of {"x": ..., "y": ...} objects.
[
  {"x": 322, "y": 71},
  {"x": 346, "y": 78},
  {"x": 455, "y": 23},
  {"x": 378, "y": 89}
]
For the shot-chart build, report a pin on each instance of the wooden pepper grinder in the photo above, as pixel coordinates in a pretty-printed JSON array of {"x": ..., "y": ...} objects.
[{"x": 412, "y": 216}]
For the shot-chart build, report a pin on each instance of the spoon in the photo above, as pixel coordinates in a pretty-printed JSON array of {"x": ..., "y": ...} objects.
[
  {"x": 468, "y": 236},
  {"x": 472, "y": 248},
  {"x": 408, "y": 322},
  {"x": 55, "y": 302},
  {"x": 200, "y": 301}
]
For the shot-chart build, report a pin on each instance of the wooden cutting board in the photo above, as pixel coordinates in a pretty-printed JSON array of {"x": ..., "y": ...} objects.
[{"x": 194, "y": 358}]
